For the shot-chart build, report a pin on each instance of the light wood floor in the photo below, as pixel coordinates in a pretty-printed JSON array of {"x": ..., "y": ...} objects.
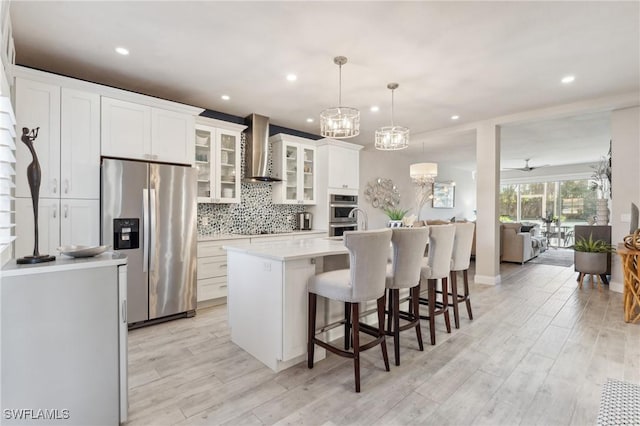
[{"x": 537, "y": 352}]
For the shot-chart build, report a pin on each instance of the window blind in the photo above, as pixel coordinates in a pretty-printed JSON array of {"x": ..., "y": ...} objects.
[{"x": 7, "y": 172}]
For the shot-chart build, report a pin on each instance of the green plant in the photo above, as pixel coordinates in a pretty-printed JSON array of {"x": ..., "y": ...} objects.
[
  {"x": 593, "y": 246},
  {"x": 395, "y": 213}
]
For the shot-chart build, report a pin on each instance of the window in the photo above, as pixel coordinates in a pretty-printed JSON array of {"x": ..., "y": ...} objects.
[{"x": 7, "y": 171}]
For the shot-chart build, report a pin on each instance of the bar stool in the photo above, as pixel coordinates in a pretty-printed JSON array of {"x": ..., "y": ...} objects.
[
  {"x": 363, "y": 281},
  {"x": 437, "y": 266},
  {"x": 460, "y": 262},
  {"x": 404, "y": 272}
]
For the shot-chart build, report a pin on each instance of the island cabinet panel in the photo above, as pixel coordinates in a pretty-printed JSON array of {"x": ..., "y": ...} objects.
[{"x": 295, "y": 304}]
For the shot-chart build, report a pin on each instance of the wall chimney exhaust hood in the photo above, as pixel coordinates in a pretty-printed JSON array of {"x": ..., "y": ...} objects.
[{"x": 257, "y": 151}]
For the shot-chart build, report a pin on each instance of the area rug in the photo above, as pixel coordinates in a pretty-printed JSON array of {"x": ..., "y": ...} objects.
[
  {"x": 555, "y": 257},
  {"x": 619, "y": 404}
]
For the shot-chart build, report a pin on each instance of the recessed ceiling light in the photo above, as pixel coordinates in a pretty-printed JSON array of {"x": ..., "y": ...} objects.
[
  {"x": 123, "y": 51},
  {"x": 292, "y": 77},
  {"x": 309, "y": 120},
  {"x": 455, "y": 117},
  {"x": 568, "y": 79},
  {"x": 225, "y": 97},
  {"x": 375, "y": 108}
]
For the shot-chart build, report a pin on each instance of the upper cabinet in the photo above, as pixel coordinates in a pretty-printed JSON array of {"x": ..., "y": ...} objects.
[
  {"x": 131, "y": 130},
  {"x": 68, "y": 142},
  {"x": 339, "y": 167},
  {"x": 217, "y": 158},
  {"x": 294, "y": 162}
]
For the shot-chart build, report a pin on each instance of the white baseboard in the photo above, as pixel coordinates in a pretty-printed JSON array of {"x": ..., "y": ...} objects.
[
  {"x": 616, "y": 286},
  {"x": 487, "y": 279}
]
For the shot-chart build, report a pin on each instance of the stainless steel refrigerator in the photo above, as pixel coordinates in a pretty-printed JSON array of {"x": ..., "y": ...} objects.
[{"x": 149, "y": 213}]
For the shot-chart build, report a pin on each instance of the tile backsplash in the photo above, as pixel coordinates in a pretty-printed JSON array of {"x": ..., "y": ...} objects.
[{"x": 254, "y": 214}]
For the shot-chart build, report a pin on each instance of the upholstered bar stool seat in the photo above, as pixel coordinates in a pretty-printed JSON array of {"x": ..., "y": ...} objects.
[
  {"x": 437, "y": 266},
  {"x": 362, "y": 282}
]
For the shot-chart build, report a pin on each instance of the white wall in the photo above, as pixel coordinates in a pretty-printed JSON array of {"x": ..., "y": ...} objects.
[
  {"x": 625, "y": 179},
  {"x": 395, "y": 166}
]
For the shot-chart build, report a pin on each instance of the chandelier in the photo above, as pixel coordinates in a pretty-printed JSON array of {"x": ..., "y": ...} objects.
[
  {"x": 392, "y": 138},
  {"x": 423, "y": 173},
  {"x": 340, "y": 122}
]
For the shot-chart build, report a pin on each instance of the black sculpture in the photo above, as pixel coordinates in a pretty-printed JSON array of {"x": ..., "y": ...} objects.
[{"x": 33, "y": 176}]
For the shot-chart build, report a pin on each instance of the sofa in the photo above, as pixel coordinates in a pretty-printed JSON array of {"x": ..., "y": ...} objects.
[{"x": 517, "y": 245}]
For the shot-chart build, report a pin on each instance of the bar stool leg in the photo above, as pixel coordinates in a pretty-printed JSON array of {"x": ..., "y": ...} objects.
[
  {"x": 454, "y": 301},
  {"x": 395, "y": 312},
  {"x": 431, "y": 291},
  {"x": 383, "y": 343},
  {"x": 311, "y": 332},
  {"x": 445, "y": 304},
  {"x": 347, "y": 326},
  {"x": 415, "y": 301},
  {"x": 390, "y": 310},
  {"x": 465, "y": 276},
  {"x": 355, "y": 309}
]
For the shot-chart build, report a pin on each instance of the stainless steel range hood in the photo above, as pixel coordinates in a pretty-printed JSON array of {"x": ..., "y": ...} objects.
[{"x": 257, "y": 151}]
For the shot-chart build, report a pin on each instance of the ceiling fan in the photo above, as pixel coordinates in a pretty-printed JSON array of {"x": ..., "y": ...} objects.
[{"x": 527, "y": 167}]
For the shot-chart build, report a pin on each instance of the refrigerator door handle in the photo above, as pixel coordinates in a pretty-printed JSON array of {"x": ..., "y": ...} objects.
[
  {"x": 152, "y": 228},
  {"x": 145, "y": 229}
]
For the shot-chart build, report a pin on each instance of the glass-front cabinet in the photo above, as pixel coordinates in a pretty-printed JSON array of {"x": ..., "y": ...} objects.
[
  {"x": 218, "y": 163},
  {"x": 294, "y": 161}
]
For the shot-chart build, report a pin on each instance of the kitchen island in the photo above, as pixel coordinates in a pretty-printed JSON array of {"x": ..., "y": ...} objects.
[
  {"x": 267, "y": 300},
  {"x": 64, "y": 341}
]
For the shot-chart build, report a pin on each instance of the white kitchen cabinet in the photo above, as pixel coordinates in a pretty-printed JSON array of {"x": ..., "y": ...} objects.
[
  {"x": 212, "y": 268},
  {"x": 135, "y": 131},
  {"x": 294, "y": 161},
  {"x": 217, "y": 158},
  {"x": 126, "y": 129},
  {"x": 60, "y": 222},
  {"x": 79, "y": 222},
  {"x": 171, "y": 136},
  {"x": 344, "y": 168},
  {"x": 80, "y": 145},
  {"x": 38, "y": 105},
  {"x": 68, "y": 142}
]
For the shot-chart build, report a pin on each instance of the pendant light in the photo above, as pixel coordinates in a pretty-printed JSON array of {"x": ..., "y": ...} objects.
[
  {"x": 392, "y": 138},
  {"x": 340, "y": 122}
]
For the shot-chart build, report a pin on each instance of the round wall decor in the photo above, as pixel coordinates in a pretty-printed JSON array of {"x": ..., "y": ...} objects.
[{"x": 381, "y": 193}]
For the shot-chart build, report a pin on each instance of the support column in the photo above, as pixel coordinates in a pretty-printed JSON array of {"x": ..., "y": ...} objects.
[
  {"x": 487, "y": 199},
  {"x": 625, "y": 181}
]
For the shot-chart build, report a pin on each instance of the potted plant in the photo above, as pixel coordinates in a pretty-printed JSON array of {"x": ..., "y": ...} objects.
[
  {"x": 590, "y": 256},
  {"x": 395, "y": 216}
]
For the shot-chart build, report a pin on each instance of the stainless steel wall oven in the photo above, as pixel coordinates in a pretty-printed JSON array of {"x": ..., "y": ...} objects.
[{"x": 339, "y": 208}]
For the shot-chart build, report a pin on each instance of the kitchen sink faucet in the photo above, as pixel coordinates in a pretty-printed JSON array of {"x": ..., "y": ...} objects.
[{"x": 353, "y": 212}]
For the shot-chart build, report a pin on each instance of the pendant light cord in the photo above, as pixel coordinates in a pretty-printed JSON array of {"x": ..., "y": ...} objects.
[
  {"x": 340, "y": 86},
  {"x": 392, "y": 90}
]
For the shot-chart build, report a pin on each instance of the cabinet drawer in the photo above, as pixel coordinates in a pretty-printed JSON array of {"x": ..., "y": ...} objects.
[
  {"x": 209, "y": 267},
  {"x": 212, "y": 288},
  {"x": 214, "y": 248}
]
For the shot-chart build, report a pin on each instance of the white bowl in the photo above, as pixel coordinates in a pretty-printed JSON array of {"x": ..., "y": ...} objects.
[{"x": 82, "y": 251}]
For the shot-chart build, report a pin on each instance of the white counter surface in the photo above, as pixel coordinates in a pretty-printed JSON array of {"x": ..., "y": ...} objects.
[
  {"x": 64, "y": 263},
  {"x": 215, "y": 237},
  {"x": 292, "y": 249}
]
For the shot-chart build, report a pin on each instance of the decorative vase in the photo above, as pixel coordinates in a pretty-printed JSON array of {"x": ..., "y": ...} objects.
[
  {"x": 395, "y": 224},
  {"x": 602, "y": 211}
]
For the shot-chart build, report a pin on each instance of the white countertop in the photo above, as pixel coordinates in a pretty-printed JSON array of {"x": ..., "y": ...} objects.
[
  {"x": 64, "y": 263},
  {"x": 215, "y": 237},
  {"x": 291, "y": 249}
]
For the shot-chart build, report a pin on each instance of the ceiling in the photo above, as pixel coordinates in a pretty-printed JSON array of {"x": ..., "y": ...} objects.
[{"x": 477, "y": 60}]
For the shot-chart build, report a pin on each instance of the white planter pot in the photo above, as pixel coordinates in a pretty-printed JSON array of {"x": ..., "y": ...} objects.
[{"x": 395, "y": 224}]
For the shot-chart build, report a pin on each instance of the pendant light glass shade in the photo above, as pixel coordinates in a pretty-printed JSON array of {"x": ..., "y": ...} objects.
[
  {"x": 392, "y": 138},
  {"x": 340, "y": 122}
]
